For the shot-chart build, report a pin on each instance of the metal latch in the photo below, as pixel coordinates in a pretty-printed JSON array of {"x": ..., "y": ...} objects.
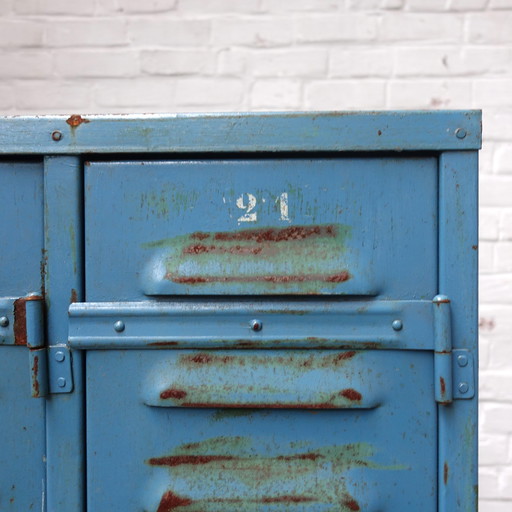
[{"x": 453, "y": 369}]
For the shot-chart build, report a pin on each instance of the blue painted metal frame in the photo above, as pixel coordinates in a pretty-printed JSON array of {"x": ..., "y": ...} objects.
[
  {"x": 454, "y": 136},
  {"x": 243, "y": 132}
]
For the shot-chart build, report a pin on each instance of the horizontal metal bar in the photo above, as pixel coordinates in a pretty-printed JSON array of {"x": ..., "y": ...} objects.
[
  {"x": 255, "y": 324},
  {"x": 242, "y": 132}
]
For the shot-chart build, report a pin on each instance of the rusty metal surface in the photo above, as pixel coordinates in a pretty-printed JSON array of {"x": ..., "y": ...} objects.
[{"x": 224, "y": 456}]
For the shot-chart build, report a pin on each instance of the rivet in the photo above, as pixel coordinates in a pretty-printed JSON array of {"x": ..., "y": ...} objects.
[
  {"x": 56, "y": 135},
  {"x": 463, "y": 387},
  {"x": 460, "y": 133},
  {"x": 256, "y": 325},
  {"x": 462, "y": 360},
  {"x": 397, "y": 325},
  {"x": 4, "y": 321},
  {"x": 60, "y": 356},
  {"x": 119, "y": 326},
  {"x": 61, "y": 382}
]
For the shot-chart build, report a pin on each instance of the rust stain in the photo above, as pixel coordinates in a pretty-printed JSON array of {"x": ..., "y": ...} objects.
[
  {"x": 20, "y": 319},
  {"x": 76, "y": 120},
  {"x": 260, "y": 405},
  {"x": 351, "y": 504},
  {"x": 445, "y": 473},
  {"x": 179, "y": 394},
  {"x": 474, "y": 247},
  {"x": 74, "y": 296},
  {"x": 339, "y": 277},
  {"x": 443, "y": 386},
  {"x": 163, "y": 344},
  {"x": 213, "y": 249},
  {"x": 35, "y": 371},
  {"x": 352, "y": 394},
  {"x": 171, "y": 501},
  {"x": 199, "y": 236},
  {"x": 276, "y": 235},
  {"x": 195, "y": 460}
]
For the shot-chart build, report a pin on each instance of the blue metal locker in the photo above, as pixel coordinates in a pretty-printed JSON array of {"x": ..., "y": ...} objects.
[{"x": 258, "y": 312}]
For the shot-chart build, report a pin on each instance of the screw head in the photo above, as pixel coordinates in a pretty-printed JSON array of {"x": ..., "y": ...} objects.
[
  {"x": 119, "y": 326},
  {"x": 460, "y": 133},
  {"x": 56, "y": 135},
  {"x": 4, "y": 321},
  {"x": 60, "y": 356},
  {"x": 61, "y": 382},
  {"x": 462, "y": 360},
  {"x": 256, "y": 325},
  {"x": 397, "y": 325},
  {"x": 463, "y": 387}
]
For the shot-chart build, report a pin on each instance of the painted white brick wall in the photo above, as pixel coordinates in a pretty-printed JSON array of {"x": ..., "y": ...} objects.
[{"x": 96, "y": 56}]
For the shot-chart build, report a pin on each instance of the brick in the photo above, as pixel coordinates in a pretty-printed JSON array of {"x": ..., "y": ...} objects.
[
  {"x": 354, "y": 63},
  {"x": 500, "y": 4},
  {"x": 492, "y": 450},
  {"x": 496, "y": 386},
  {"x": 7, "y": 97},
  {"x": 14, "y": 33},
  {"x": 489, "y": 223},
  {"x": 178, "y": 62},
  {"x": 503, "y": 158},
  {"x": 364, "y": 5},
  {"x": 345, "y": 95},
  {"x": 495, "y": 506},
  {"x": 254, "y": 32},
  {"x": 433, "y": 27},
  {"x": 93, "y": 32},
  {"x": 497, "y": 418},
  {"x": 495, "y": 289},
  {"x": 309, "y": 63},
  {"x": 497, "y": 122},
  {"x": 135, "y": 94},
  {"x": 147, "y": 6},
  {"x": 208, "y": 92},
  {"x": 276, "y": 94},
  {"x": 488, "y": 483},
  {"x": 486, "y": 158},
  {"x": 100, "y": 64},
  {"x": 232, "y": 61},
  {"x": 25, "y": 64},
  {"x": 44, "y": 7},
  {"x": 505, "y": 483},
  {"x": 495, "y": 190},
  {"x": 219, "y": 6},
  {"x": 427, "y": 5},
  {"x": 344, "y": 27},
  {"x": 486, "y": 257},
  {"x": 467, "y": 5},
  {"x": 169, "y": 32},
  {"x": 6, "y": 7},
  {"x": 490, "y": 27},
  {"x": 428, "y": 94},
  {"x": 492, "y": 93},
  {"x": 280, "y": 6},
  {"x": 52, "y": 97},
  {"x": 392, "y": 4},
  {"x": 506, "y": 225}
]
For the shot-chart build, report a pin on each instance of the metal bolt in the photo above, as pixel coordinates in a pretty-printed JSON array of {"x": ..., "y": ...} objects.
[
  {"x": 56, "y": 135},
  {"x": 462, "y": 360},
  {"x": 61, "y": 382},
  {"x": 119, "y": 326},
  {"x": 397, "y": 325},
  {"x": 256, "y": 325},
  {"x": 4, "y": 321},
  {"x": 60, "y": 356},
  {"x": 460, "y": 133},
  {"x": 463, "y": 387}
]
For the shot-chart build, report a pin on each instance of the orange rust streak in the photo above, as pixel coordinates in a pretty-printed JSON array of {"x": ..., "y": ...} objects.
[
  {"x": 76, "y": 120},
  {"x": 173, "y": 393},
  {"x": 443, "y": 386},
  {"x": 352, "y": 394},
  {"x": 327, "y": 278},
  {"x": 218, "y": 405},
  {"x": 276, "y": 235},
  {"x": 172, "y": 501},
  {"x": 35, "y": 370},
  {"x": 445, "y": 473},
  {"x": 196, "y": 460}
]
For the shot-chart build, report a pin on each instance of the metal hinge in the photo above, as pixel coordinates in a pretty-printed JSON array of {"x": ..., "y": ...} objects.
[
  {"x": 453, "y": 369},
  {"x": 22, "y": 324}
]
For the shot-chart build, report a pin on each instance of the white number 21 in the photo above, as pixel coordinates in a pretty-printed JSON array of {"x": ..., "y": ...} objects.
[{"x": 248, "y": 203}]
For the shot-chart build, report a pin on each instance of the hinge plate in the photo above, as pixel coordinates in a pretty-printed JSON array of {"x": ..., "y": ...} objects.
[
  {"x": 463, "y": 374},
  {"x": 60, "y": 369}
]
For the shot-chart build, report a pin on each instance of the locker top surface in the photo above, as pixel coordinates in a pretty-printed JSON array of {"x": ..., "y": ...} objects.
[{"x": 76, "y": 134}]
